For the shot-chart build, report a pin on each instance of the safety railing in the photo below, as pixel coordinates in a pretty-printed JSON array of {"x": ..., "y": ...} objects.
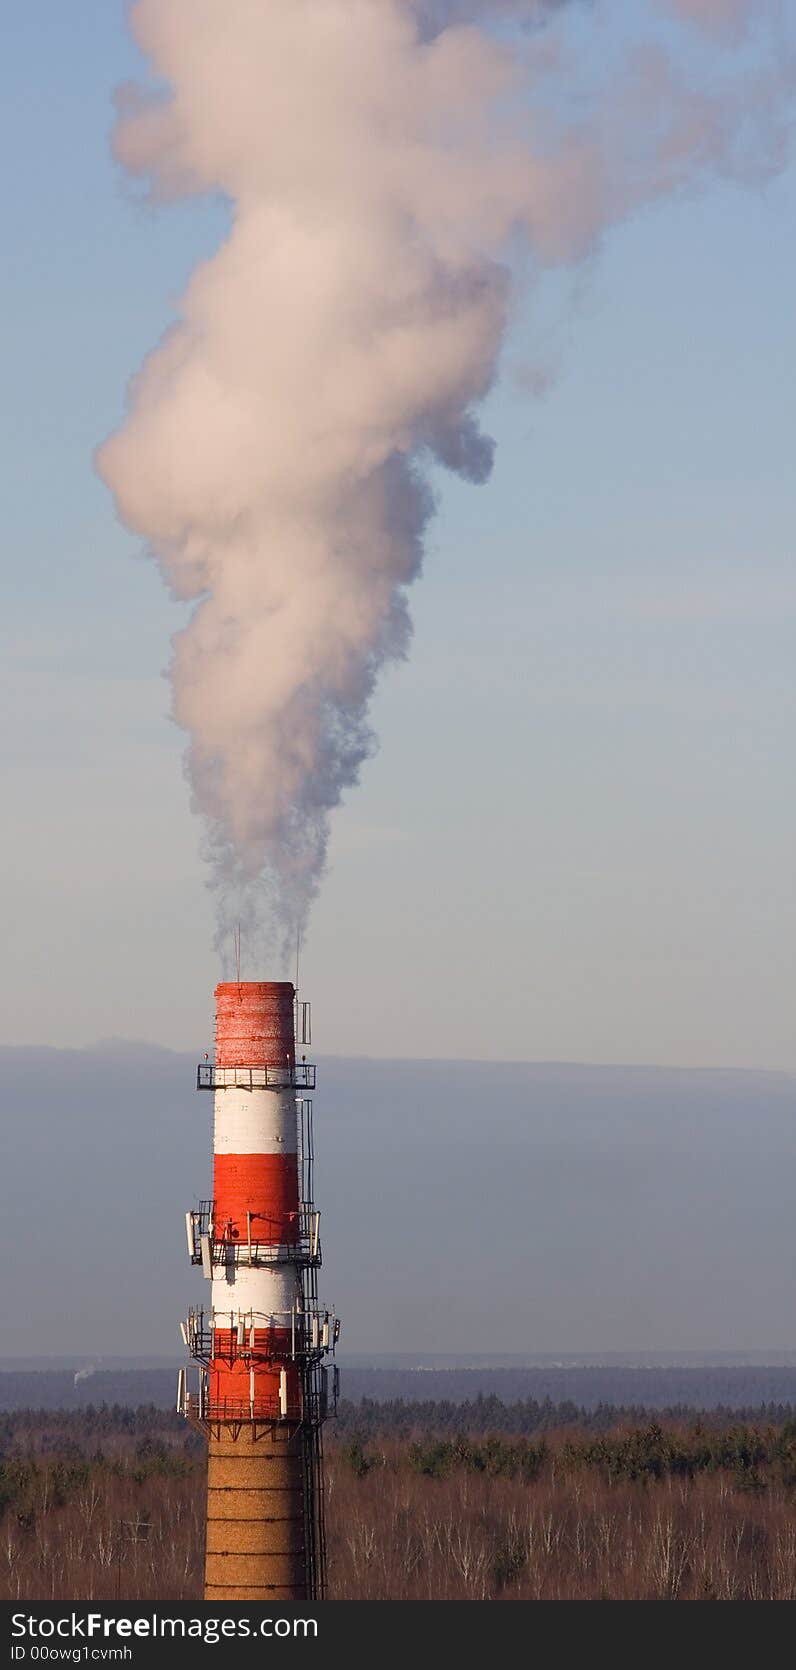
[
  {"x": 294, "y": 1239},
  {"x": 205, "y": 1408},
  {"x": 313, "y": 1402},
  {"x": 298, "y": 1076},
  {"x": 254, "y": 1336}
]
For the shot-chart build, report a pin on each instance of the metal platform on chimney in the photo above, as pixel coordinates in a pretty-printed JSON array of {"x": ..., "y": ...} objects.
[{"x": 298, "y": 1077}]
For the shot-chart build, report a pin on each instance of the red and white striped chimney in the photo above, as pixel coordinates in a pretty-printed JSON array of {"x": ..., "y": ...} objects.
[
  {"x": 256, "y": 1197},
  {"x": 261, "y": 1343}
]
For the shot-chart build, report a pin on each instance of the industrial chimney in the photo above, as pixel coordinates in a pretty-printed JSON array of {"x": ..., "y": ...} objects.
[{"x": 261, "y": 1345}]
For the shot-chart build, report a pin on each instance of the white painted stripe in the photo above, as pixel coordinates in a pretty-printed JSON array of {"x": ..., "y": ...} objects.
[
  {"x": 255, "y": 1122},
  {"x": 257, "y": 1290}
]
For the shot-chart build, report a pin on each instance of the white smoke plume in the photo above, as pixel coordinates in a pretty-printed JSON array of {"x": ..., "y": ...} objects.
[
  {"x": 436, "y": 15},
  {"x": 719, "y": 16},
  {"x": 383, "y": 159}
]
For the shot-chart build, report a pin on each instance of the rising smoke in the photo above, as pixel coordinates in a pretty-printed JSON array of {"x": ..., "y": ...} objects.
[{"x": 381, "y": 159}]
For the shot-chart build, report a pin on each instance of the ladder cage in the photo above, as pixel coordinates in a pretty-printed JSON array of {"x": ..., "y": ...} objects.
[
  {"x": 302, "y": 1020},
  {"x": 306, "y": 1152}
]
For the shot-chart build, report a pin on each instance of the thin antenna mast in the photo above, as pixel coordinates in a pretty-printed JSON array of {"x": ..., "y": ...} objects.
[{"x": 236, "y": 940}]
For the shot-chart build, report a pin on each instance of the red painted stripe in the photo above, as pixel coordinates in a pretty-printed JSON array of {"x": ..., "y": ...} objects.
[
  {"x": 230, "y": 1389},
  {"x": 265, "y": 1185},
  {"x": 271, "y": 1344},
  {"x": 254, "y": 1024}
]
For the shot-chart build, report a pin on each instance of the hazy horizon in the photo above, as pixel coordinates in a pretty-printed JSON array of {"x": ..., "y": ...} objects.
[
  {"x": 481, "y": 1208},
  {"x": 122, "y": 1044}
]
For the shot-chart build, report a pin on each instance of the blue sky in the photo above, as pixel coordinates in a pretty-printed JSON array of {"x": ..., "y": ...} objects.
[{"x": 576, "y": 840}]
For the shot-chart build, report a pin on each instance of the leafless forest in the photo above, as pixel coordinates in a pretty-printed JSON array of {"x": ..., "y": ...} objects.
[{"x": 109, "y": 1504}]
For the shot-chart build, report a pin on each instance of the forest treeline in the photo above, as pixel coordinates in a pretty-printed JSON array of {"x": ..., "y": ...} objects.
[
  {"x": 118, "y": 1427},
  {"x": 664, "y": 1386},
  {"x": 401, "y": 1417},
  {"x": 431, "y": 1501},
  {"x": 752, "y": 1456}
]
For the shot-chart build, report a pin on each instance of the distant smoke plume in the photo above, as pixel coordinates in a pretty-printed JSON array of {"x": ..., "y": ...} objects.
[
  {"x": 383, "y": 159},
  {"x": 84, "y": 1374}
]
